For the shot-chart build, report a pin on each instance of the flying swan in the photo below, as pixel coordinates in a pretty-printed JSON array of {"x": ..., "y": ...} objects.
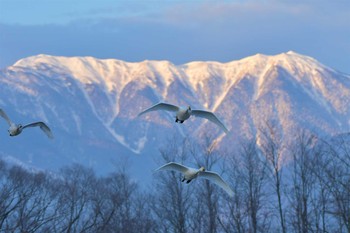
[
  {"x": 183, "y": 114},
  {"x": 16, "y": 129},
  {"x": 192, "y": 173}
]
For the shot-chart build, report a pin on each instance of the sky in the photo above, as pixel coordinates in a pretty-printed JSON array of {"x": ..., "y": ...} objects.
[{"x": 179, "y": 31}]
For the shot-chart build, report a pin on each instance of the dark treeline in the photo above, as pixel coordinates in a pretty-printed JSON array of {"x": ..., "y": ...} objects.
[{"x": 302, "y": 186}]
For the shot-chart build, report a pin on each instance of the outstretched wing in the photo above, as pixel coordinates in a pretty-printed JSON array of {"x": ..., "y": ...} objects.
[
  {"x": 161, "y": 106},
  {"x": 216, "y": 178},
  {"x": 42, "y": 126},
  {"x": 174, "y": 167},
  {"x": 3, "y": 114},
  {"x": 210, "y": 116}
]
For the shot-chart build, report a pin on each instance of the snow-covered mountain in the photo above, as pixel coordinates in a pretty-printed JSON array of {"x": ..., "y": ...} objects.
[{"x": 92, "y": 104}]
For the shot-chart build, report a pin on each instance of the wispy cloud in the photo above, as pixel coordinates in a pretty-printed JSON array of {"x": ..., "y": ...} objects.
[
  {"x": 212, "y": 12},
  {"x": 182, "y": 31}
]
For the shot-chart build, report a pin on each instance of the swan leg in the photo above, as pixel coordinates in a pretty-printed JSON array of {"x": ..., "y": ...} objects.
[
  {"x": 181, "y": 122},
  {"x": 177, "y": 120},
  {"x": 183, "y": 179},
  {"x": 188, "y": 181}
]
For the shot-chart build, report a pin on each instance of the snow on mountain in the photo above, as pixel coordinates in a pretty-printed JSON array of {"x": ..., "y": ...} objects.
[{"x": 92, "y": 104}]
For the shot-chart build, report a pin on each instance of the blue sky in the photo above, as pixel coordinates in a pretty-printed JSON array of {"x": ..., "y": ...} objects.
[{"x": 178, "y": 31}]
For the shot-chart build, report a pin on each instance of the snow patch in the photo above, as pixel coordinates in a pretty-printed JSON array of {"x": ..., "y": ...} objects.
[
  {"x": 77, "y": 121},
  {"x": 122, "y": 141}
]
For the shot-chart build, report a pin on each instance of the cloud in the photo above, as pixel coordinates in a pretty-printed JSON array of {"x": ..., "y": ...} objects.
[{"x": 191, "y": 30}]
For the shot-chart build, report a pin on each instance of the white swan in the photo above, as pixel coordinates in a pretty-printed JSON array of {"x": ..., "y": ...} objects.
[
  {"x": 192, "y": 173},
  {"x": 184, "y": 114},
  {"x": 16, "y": 129}
]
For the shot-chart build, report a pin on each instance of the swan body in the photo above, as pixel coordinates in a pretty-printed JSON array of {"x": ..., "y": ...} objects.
[
  {"x": 16, "y": 129},
  {"x": 183, "y": 114},
  {"x": 191, "y": 173}
]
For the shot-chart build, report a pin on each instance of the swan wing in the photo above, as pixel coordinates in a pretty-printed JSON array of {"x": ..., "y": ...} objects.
[
  {"x": 161, "y": 106},
  {"x": 42, "y": 126},
  {"x": 4, "y": 115},
  {"x": 174, "y": 167},
  {"x": 216, "y": 178},
  {"x": 210, "y": 116}
]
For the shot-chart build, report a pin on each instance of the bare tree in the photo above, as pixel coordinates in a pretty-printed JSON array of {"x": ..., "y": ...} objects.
[
  {"x": 254, "y": 179},
  {"x": 36, "y": 211},
  {"x": 320, "y": 205},
  {"x": 272, "y": 146},
  {"x": 74, "y": 199},
  {"x": 303, "y": 187},
  {"x": 8, "y": 201},
  {"x": 144, "y": 219},
  {"x": 333, "y": 171},
  {"x": 248, "y": 174},
  {"x": 234, "y": 216},
  {"x": 125, "y": 206},
  {"x": 207, "y": 156},
  {"x": 26, "y": 200},
  {"x": 11, "y": 180},
  {"x": 172, "y": 200}
]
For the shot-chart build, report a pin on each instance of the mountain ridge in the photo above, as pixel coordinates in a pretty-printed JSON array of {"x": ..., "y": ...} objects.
[{"x": 95, "y": 102}]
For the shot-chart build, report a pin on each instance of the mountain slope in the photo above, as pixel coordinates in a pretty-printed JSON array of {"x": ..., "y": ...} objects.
[{"x": 92, "y": 104}]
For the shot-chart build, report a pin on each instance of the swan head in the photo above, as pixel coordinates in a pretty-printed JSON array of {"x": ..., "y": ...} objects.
[{"x": 202, "y": 169}]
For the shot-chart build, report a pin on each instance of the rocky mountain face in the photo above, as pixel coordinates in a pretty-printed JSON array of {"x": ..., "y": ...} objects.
[{"x": 91, "y": 105}]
